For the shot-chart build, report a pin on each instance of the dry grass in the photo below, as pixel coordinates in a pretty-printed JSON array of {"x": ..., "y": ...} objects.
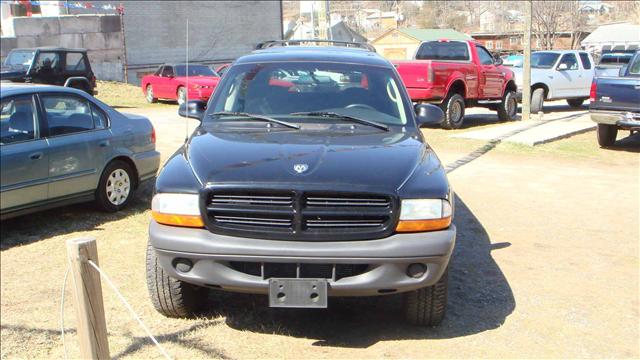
[
  {"x": 545, "y": 266},
  {"x": 123, "y": 96}
]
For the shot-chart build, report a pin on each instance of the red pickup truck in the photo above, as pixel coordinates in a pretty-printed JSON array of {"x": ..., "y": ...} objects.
[{"x": 459, "y": 74}]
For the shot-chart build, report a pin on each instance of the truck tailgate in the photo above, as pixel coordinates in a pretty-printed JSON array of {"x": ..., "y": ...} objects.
[
  {"x": 617, "y": 93},
  {"x": 414, "y": 74}
]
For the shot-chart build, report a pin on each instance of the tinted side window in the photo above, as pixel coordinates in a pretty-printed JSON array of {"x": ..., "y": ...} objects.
[
  {"x": 435, "y": 50},
  {"x": 167, "y": 71},
  {"x": 485, "y": 56},
  {"x": 75, "y": 62},
  {"x": 67, "y": 114},
  {"x": 159, "y": 71},
  {"x": 586, "y": 63},
  {"x": 570, "y": 60},
  {"x": 18, "y": 120}
]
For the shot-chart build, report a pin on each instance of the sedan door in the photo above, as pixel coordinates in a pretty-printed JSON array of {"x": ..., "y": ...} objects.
[
  {"x": 24, "y": 166},
  {"x": 165, "y": 83},
  {"x": 78, "y": 144}
]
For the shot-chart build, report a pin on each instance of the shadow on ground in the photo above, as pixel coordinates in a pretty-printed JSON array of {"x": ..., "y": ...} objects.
[
  {"x": 480, "y": 299},
  {"x": 34, "y": 227},
  {"x": 630, "y": 144}
]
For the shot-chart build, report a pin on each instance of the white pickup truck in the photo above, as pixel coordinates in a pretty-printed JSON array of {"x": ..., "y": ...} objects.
[{"x": 558, "y": 74}]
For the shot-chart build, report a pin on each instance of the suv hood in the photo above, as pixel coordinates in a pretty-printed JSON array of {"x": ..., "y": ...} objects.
[
  {"x": 11, "y": 72},
  {"x": 382, "y": 160}
]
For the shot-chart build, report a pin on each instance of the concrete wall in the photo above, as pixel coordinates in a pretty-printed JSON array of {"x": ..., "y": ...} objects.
[
  {"x": 219, "y": 31},
  {"x": 99, "y": 34}
]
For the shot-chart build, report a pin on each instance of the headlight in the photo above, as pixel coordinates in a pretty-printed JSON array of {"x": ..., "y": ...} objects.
[
  {"x": 424, "y": 215},
  {"x": 177, "y": 209}
]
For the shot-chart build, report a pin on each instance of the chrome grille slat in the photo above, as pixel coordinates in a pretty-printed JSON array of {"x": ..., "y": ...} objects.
[
  {"x": 253, "y": 220},
  {"x": 346, "y": 201},
  {"x": 251, "y": 199},
  {"x": 342, "y": 223}
]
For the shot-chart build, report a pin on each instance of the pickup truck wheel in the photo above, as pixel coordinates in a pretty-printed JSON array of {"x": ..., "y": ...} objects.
[
  {"x": 427, "y": 306},
  {"x": 575, "y": 103},
  {"x": 607, "y": 135},
  {"x": 182, "y": 95},
  {"x": 537, "y": 100},
  {"x": 453, "y": 108},
  {"x": 149, "y": 95},
  {"x": 508, "y": 109},
  {"x": 172, "y": 297},
  {"x": 115, "y": 188}
]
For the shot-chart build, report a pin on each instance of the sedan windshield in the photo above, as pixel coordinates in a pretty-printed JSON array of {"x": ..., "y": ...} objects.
[
  {"x": 194, "y": 70},
  {"x": 307, "y": 91},
  {"x": 23, "y": 58},
  {"x": 543, "y": 60}
]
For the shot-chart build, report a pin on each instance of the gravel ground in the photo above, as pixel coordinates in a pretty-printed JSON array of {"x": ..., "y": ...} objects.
[{"x": 546, "y": 265}]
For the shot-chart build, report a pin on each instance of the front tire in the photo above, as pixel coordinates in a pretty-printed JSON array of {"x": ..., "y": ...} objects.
[
  {"x": 453, "y": 108},
  {"x": 607, "y": 135},
  {"x": 115, "y": 188},
  {"x": 149, "y": 95},
  {"x": 575, "y": 103},
  {"x": 181, "y": 95},
  {"x": 426, "y": 306},
  {"x": 508, "y": 109},
  {"x": 172, "y": 297},
  {"x": 537, "y": 100}
]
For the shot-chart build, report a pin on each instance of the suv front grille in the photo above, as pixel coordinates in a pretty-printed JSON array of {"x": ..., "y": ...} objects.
[{"x": 299, "y": 215}]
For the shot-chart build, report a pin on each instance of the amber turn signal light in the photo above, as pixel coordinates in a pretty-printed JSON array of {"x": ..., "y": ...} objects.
[
  {"x": 178, "y": 220},
  {"x": 423, "y": 225}
]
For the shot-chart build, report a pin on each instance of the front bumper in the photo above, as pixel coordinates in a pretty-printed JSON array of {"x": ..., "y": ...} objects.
[
  {"x": 387, "y": 259},
  {"x": 622, "y": 119},
  {"x": 200, "y": 94}
]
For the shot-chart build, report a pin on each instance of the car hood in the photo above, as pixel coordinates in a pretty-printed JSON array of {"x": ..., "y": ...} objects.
[
  {"x": 200, "y": 80},
  {"x": 15, "y": 71},
  {"x": 381, "y": 160}
]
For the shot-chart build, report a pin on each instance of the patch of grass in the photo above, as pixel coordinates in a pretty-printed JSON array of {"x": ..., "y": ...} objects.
[{"x": 121, "y": 95}]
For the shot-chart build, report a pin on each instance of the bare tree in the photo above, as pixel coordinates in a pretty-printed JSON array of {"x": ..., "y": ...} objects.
[{"x": 548, "y": 17}]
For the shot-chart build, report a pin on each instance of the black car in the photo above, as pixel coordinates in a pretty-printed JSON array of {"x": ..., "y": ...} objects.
[
  {"x": 50, "y": 65},
  {"x": 304, "y": 187}
]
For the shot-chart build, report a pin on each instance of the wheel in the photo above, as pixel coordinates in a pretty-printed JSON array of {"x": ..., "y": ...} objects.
[
  {"x": 115, "y": 188},
  {"x": 453, "y": 108},
  {"x": 508, "y": 108},
  {"x": 575, "y": 103},
  {"x": 537, "y": 100},
  {"x": 427, "y": 306},
  {"x": 172, "y": 297},
  {"x": 182, "y": 95},
  {"x": 607, "y": 134},
  {"x": 149, "y": 97}
]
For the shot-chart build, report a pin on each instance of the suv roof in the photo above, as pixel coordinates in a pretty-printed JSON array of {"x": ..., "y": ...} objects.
[
  {"x": 52, "y": 48},
  {"x": 338, "y": 54}
]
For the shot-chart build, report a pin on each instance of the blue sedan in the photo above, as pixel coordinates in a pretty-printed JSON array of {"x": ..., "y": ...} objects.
[{"x": 59, "y": 145}]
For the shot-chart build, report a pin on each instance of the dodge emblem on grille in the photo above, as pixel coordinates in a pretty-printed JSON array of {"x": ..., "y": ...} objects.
[{"x": 300, "y": 168}]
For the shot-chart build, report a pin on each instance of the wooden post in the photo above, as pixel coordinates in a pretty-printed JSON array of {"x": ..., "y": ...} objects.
[
  {"x": 92, "y": 328},
  {"x": 526, "y": 66}
]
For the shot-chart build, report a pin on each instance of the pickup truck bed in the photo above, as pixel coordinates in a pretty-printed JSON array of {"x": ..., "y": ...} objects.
[{"x": 615, "y": 102}]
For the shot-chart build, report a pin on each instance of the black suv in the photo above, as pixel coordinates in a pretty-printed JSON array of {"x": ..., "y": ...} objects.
[
  {"x": 49, "y": 65},
  {"x": 307, "y": 178}
]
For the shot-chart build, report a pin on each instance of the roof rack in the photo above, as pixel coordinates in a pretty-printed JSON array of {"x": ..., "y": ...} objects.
[{"x": 300, "y": 42}]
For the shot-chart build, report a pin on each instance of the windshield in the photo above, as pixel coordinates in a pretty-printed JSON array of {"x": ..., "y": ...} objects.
[
  {"x": 279, "y": 90},
  {"x": 543, "y": 60},
  {"x": 23, "y": 58},
  {"x": 194, "y": 70},
  {"x": 443, "y": 50}
]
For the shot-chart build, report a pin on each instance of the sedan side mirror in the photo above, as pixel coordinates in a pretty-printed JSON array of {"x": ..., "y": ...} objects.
[
  {"x": 192, "y": 109},
  {"x": 562, "y": 67},
  {"x": 428, "y": 114}
]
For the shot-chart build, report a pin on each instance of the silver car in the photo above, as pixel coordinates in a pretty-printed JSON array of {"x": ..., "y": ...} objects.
[{"x": 59, "y": 145}]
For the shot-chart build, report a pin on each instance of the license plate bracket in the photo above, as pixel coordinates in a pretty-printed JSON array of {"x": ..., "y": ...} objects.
[{"x": 298, "y": 293}]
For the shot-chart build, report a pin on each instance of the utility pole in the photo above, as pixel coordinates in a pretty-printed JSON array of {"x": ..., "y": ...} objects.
[{"x": 526, "y": 66}]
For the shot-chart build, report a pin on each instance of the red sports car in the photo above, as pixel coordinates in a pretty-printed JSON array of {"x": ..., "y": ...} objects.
[{"x": 170, "y": 82}]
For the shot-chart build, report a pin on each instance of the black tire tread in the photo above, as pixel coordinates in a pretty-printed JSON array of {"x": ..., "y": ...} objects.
[
  {"x": 503, "y": 114},
  {"x": 446, "y": 104},
  {"x": 537, "y": 100},
  {"x": 172, "y": 297},
  {"x": 427, "y": 306},
  {"x": 606, "y": 135},
  {"x": 575, "y": 103}
]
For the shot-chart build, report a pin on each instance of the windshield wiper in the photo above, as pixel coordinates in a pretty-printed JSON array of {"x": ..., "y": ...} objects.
[
  {"x": 335, "y": 115},
  {"x": 257, "y": 117}
]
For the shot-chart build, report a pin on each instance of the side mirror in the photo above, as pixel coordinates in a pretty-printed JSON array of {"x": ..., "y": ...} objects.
[
  {"x": 192, "y": 109},
  {"x": 562, "y": 67},
  {"x": 428, "y": 114},
  {"x": 623, "y": 70},
  {"x": 498, "y": 61}
]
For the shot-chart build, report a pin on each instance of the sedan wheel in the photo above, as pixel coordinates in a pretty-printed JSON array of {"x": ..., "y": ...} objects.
[
  {"x": 116, "y": 185},
  {"x": 149, "y": 97}
]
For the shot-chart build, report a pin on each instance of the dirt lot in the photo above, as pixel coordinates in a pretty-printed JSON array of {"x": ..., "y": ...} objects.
[{"x": 546, "y": 265}]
